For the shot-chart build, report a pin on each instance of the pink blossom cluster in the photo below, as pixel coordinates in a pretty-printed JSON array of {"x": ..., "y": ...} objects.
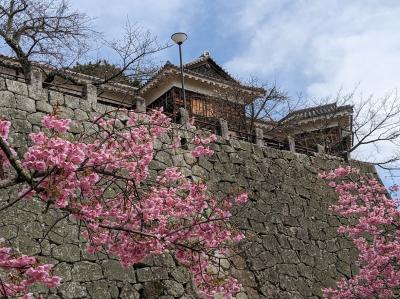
[
  {"x": 373, "y": 228},
  {"x": 105, "y": 184},
  {"x": 54, "y": 123},
  {"x": 200, "y": 146},
  {"x": 4, "y": 128},
  {"x": 21, "y": 271},
  {"x": 207, "y": 276},
  {"x": 4, "y": 131},
  {"x": 339, "y": 172}
]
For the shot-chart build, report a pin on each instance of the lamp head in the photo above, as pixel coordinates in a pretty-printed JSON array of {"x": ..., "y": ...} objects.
[{"x": 179, "y": 37}]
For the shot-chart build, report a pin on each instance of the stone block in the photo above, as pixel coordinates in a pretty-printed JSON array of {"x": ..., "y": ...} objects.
[
  {"x": 26, "y": 245},
  {"x": 181, "y": 274},
  {"x": 66, "y": 253},
  {"x": 151, "y": 274},
  {"x": 44, "y": 106},
  {"x": 37, "y": 93},
  {"x": 245, "y": 277},
  {"x": 55, "y": 97},
  {"x": 241, "y": 295},
  {"x": 153, "y": 289},
  {"x": 99, "y": 289},
  {"x": 114, "y": 271},
  {"x": 17, "y": 87},
  {"x": 7, "y": 99},
  {"x": 71, "y": 101},
  {"x": 71, "y": 290},
  {"x": 36, "y": 118},
  {"x": 86, "y": 271},
  {"x": 100, "y": 108},
  {"x": 22, "y": 126},
  {"x": 3, "y": 84},
  {"x": 129, "y": 292},
  {"x": 173, "y": 288},
  {"x": 163, "y": 157},
  {"x": 66, "y": 112},
  {"x": 290, "y": 257},
  {"x": 164, "y": 260},
  {"x": 8, "y": 232},
  {"x": 114, "y": 292},
  {"x": 64, "y": 271},
  {"x": 81, "y": 115}
]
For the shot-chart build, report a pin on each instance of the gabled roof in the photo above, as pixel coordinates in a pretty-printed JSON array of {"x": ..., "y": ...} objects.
[
  {"x": 191, "y": 69},
  {"x": 206, "y": 65},
  {"x": 323, "y": 110}
]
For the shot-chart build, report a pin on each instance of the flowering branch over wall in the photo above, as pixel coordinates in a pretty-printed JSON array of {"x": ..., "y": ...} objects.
[
  {"x": 102, "y": 179},
  {"x": 374, "y": 229}
]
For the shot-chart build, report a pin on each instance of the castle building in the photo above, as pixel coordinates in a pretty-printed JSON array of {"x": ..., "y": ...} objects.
[
  {"x": 213, "y": 98},
  {"x": 213, "y": 94}
]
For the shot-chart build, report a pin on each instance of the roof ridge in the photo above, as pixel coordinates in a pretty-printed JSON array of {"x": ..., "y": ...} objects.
[
  {"x": 314, "y": 107},
  {"x": 190, "y": 72},
  {"x": 206, "y": 56},
  {"x": 316, "y": 111}
]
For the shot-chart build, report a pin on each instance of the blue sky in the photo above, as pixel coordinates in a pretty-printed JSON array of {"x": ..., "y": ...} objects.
[
  {"x": 314, "y": 48},
  {"x": 310, "y": 47}
]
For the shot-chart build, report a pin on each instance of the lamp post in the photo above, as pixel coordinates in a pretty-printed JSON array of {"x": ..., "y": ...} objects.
[{"x": 179, "y": 38}]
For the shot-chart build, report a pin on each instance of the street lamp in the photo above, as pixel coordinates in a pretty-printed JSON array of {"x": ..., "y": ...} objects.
[{"x": 179, "y": 38}]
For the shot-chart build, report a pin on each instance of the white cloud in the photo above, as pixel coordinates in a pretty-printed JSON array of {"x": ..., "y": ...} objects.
[
  {"x": 314, "y": 47},
  {"x": 327, "y": 44},
  {"x": 156, "y": 16},
  {"x": 161, "y": 18}
]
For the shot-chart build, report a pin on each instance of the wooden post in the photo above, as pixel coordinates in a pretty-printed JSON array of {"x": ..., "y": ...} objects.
[
  {"x": 346, "y": 156},
  {"x": 291, "y": 143},
  {"x": 223, "y": 129},
  {"x": 183, "y": 116},
  {"x": 184, "y": 121},
  {"x": 320, "y": 149},
  {"x": 259, "y": 137},
  {"x": 90, "y": 93},
  {"x": 140, "y": 105},
  {"x": 35, "y": 78}
]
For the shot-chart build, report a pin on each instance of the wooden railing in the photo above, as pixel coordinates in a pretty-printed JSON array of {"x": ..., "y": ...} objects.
[
  {"x": 210, "y": 124},
  {"x": 17, "y": 76},
  {"x": 63, "y": 89},
  {"x": 266, "y": 142},
  {"x": 275, "y": 144},
  {"x": 242, "y": 135},
  {"x": 305, "y": 150}
]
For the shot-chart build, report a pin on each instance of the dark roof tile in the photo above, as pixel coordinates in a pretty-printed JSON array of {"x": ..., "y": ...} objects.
[{"x": 317, "y": 111}]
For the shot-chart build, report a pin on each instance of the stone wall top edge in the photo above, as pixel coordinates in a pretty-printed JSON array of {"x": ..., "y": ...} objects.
[{"x": 234, "y": 143}]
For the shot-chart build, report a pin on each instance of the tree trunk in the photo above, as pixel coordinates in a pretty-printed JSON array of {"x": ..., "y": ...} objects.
[{"x": 26, "y": 66}]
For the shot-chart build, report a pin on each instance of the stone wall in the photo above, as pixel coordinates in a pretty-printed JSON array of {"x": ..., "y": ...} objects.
[{"x": 292, "y": 249}]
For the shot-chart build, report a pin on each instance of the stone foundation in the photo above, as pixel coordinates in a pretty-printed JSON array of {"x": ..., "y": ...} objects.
[{"x": 292, "y": 249}]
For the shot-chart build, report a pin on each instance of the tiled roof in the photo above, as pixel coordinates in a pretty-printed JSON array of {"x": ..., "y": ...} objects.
[
  {"x": 204, "y": 59},
  {"x": 77, "y": 76},
  {"x": 188, "y": 71},
  {"x": 317, "y": 111}
]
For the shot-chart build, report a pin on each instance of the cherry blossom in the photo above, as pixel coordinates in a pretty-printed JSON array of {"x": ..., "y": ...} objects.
[
  {"x": 103, "y": 180},
  {"x": 373, "y": 228},
  {"x": 4, "y": 131},
  {"x": 21, "y": 271}
]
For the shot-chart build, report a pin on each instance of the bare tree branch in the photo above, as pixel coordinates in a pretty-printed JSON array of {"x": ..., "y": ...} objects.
[{"x": 45, "y": 31}]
